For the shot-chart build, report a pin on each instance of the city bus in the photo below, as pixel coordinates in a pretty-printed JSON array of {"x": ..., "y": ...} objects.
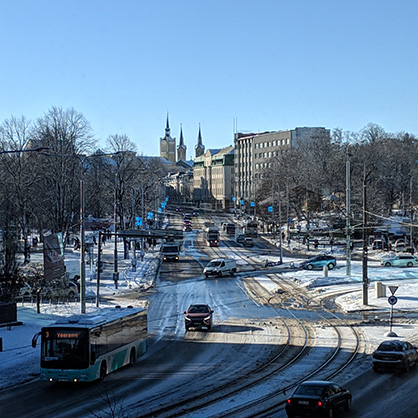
[{"x": 83, "y": 348}]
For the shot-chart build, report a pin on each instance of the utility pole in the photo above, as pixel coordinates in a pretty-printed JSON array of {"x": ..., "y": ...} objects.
[
  {"x": 82, "y": 250},
  {"x": 365, "y": 246},
  {"x": 280, "y": 227},
  {"x": 347, "y": 219},
  {"x": 115, "y": 252}
]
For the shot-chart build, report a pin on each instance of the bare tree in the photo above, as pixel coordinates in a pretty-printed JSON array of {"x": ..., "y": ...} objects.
[{"x": 68, "y": 136}]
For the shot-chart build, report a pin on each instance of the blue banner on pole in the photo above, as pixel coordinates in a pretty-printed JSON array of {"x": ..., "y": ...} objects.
[
  {"x": 138, "y": 221},
  {"x": 150, "y": 215},
  {"x": 270, "y": 209},
  {"x": 241, "y": 202},
  {"x": 252, "y": 204}
]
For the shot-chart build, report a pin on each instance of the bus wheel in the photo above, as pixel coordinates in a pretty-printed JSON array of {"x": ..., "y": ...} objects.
[
  {"x": 132, "y": 358},
  {"x": 103, "y": 370}
]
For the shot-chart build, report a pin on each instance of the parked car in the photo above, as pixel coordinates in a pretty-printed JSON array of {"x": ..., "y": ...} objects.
[
  {"x": 394, "y": 355},
  {"x": 319, "y": 262},
  {"x": 248, "y": 242},
  {"x": 318, "y": 398},
  {"x": 198, "y": 316},
  {"x": 69, "y": 292},
  {"x": 220, "y": 266},
  {"x": 400, "y": 245},
  {"x": 399, "y": 261}
]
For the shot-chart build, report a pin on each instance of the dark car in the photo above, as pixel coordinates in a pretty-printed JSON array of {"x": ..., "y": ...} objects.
[
  {"x": 248, "y": 242},
  {"x": 394, "y": 355},
  {"x": 319, "y": 262},
  {"x": 198, "y": 316},
  {"x": 318, "y": 398}
]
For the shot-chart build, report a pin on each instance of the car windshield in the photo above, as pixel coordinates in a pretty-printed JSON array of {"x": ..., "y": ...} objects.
[
  {"x": 390, "y": 346},
  {"x": 214, "y": 264},
  {"x": 198, "y": 309},
  {"x": 309, "y": 390}
]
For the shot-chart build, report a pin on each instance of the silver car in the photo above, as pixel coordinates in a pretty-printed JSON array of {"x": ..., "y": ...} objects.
[{"x": 406, "y": 260}]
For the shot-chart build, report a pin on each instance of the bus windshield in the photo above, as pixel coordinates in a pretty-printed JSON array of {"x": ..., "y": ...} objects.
[{"x": 66, "y": 348}]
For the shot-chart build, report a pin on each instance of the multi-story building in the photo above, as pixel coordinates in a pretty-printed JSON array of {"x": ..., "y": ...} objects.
[
  {"x": 213, "y": 177},
  {"x": 253, "y": 154}
]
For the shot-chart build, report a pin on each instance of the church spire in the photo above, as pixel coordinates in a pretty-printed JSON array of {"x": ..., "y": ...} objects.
[
  {"x": 167, "y": 128},
  {"x": 181, "y": 149},
  {"x": 200, "y": 148},
  {"x": 181, "y": 144}
]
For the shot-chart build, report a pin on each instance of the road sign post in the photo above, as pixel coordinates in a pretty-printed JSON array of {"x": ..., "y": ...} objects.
[{"x": 392, "y": 301}]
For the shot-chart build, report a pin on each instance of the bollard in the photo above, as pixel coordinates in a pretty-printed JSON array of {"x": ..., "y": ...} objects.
[{"x": 325, "y": 270}]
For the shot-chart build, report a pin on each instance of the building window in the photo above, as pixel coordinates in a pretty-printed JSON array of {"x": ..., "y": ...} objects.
[{"x": 265, "y": 155}]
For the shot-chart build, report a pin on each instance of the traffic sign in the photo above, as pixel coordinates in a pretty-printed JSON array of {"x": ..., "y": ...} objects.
[
  {"x": 393, "y": 289},
  {"x": 392, "y": 300}
]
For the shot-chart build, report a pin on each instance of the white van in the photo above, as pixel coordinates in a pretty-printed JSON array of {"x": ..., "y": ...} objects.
[{"x": 220, "y": 266}]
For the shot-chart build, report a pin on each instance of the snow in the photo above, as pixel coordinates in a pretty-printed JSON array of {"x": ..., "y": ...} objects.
[{"x": 19, "y": 362}]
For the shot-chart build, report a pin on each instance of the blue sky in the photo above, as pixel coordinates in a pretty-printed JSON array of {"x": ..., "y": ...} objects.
[{"x": 267, "y": 64}]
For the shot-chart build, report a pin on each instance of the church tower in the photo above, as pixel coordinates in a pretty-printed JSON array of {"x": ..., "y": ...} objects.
[
  {"x": 168, "y": 145},
  {"x": 181, "y": 149},
  {"x": 199, "y": 148}
]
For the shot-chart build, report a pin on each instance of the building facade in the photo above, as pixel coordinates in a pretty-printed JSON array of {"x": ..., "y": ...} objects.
[
  {"x": 253, "y": 154},
  {"x": 213, "y": 177}
]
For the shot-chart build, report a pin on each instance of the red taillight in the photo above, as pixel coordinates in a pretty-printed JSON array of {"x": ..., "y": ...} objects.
[
  {"x": 320, "y": 403},
  {"x": 289, "y": 401}
]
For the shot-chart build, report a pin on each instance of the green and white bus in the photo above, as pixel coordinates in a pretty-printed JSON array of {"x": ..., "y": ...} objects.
[{"x": 83, "y": 348}]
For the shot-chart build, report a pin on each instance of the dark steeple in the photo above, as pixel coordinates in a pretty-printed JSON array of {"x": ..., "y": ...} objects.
[
  {"x": 167, "y": 128},
  {"x": 200, "y": 148},
  {"x": 181, "y": 149}
]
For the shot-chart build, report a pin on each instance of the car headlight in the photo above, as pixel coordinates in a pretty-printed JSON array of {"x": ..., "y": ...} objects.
[
  {"x": 187, "y": 318},
  {"x": 207, "y": 318}
]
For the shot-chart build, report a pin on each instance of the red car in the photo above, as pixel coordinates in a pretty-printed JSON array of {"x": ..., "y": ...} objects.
[{"x": 198, "y": 316}]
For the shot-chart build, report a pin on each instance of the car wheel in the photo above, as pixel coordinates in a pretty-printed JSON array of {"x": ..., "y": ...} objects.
[
  {"x": 220, "y": 274},
  {"x": 330, "y": 413},
  {"x": 206, "y": 275},
  {"x": 330, "y": 266},
  {"x": 409, "y": 264},
  {"x": 309, "y": 267},
  {"x": 71, "y": 294},
  {"x": 103, "y": 370},
  {"x": 376, "y": 369},
  {"x": 348, "y": 404},
  {"x": 387, "y": 264},
  {"x": 407, "y": 366}
]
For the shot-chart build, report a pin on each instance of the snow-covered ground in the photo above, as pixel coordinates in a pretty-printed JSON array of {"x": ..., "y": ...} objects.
[{"x": 19, "y": 362}]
